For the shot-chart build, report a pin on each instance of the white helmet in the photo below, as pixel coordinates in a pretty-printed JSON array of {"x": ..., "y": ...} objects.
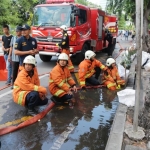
[
  {"x": 110, "y": 61},
  {"x": 89, "y": 54},
  {"x": 29, "y": 60},
  {"x": 63, "y": 56},
  {"x": 63, "y": 27}
]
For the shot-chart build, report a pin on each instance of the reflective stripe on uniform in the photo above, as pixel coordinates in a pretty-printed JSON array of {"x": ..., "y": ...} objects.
[
  {"x": 102, "y": 66},
  {"x": 70, "y": 67},
  {"x": 120, "y": 81},
  {"x": 58, "y": 92},
  {"x": 61, "y": 84},
  {"x": 20, "y": 98},
  {"x": 16, "y": 87},
  {"x": 70, "y": 78},
  {"x": 82, "y": 83},
  {"x": 51, "y": 81},
  {"x": 90, "y": 73},
  {"x": 63, "y": 43},
  {"x": 35, "y": 88},
  {"x": 111, "y": 84}
]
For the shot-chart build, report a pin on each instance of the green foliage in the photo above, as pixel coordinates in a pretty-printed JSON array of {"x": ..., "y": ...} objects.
[{"x": 121, "y": 23}]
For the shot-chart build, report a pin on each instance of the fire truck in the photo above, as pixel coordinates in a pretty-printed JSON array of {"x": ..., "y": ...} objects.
[{"x": 85, "y": 28}]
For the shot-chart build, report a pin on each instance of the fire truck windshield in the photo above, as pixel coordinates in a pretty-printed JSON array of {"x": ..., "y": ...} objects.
[{"x": 52, "y": 16}]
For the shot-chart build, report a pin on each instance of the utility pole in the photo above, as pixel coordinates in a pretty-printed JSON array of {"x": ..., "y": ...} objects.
[{"x": 139, "y": 33}]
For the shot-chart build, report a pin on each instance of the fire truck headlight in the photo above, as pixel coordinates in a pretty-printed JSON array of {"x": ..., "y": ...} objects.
[{"x": 71, "y": 49}]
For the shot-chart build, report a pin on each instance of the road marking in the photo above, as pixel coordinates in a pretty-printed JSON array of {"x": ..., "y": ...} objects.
[
  {"x": 15, "y": 122},
  {"x": 6, "y": 93},
  {"x": 63, "y": 136}
]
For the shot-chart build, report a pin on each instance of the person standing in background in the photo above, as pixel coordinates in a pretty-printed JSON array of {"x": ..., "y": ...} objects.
[
  {"x": 6, "y": 39},
  {"x": 15, "y": 58},
  {"x": 25, "y": 45}
]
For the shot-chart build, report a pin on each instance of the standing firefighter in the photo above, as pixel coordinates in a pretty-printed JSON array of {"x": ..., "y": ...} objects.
[
  {"x": 61, "y": 82},
  {"x": 111, "y": 77},
  {"x": 64, "y": 44},
  {"x": 111, "y": 42},
  {"x": 27, "y": 90},
  {"x": 88, "y": 67}
]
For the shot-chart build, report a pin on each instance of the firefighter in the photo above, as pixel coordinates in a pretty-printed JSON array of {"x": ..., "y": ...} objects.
[
  {"x": 27, "y": 90},
  {"x": 111, "y": 77},
  {"x": 61, "y": 82},
  {"x": 88, "y": 67},
  {"x": 64, "y": 44},
  {"x": 111, "y": 42}
]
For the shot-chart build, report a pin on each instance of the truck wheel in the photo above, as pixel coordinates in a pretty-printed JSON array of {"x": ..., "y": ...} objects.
[
  {"x": 45, "y": 58},
  {"x": 80, "y": 56}
]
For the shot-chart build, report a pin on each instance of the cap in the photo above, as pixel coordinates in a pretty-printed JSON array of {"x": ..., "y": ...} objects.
[
  {"x": 18, "y": 28},
  {"x": 25, "y": 27}
]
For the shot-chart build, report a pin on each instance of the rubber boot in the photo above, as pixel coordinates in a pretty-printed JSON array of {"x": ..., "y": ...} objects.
[
  {"x": 32, "y": 112},
  {"x": 56, "y": 100}
]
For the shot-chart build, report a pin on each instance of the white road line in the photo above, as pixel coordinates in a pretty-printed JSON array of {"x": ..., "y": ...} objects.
[
  {"x": 63, "y": 136},
  {"x": 6, "y": 93}
]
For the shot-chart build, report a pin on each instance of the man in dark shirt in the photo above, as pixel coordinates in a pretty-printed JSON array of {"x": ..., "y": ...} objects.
[
  {"x": 25, "y": 45},
  {"x": 109, "y": 38},
  {"x": 6, "y": 39}
]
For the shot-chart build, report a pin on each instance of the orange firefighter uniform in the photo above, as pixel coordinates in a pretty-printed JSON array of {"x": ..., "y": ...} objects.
[
  {"x": 60, "y": 81},
  {"x": 64, "y": 44},
  {"x": 112, "y": 80},
  {"x": 87, "y": 69},
  {"x": 24, "y": 84}
]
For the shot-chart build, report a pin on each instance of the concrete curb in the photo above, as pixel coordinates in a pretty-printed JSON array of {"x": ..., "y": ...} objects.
[{"x": 116, "y": 134}]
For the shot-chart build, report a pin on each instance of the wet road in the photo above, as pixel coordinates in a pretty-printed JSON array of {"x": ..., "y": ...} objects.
[{"x": 85, "y": 127}]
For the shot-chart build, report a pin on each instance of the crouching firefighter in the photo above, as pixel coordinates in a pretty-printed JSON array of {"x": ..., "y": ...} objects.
[
  {"x": 27, "y": 90},
  {"x": 64, "y": 44},
  {"x": 111, "y": 77},
  {"x": 89, "y": 67},
  {"x": 61, "y": 82}
]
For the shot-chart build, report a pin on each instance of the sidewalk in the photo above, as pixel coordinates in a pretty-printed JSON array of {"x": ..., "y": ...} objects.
[{"x": 118, "y": 140}]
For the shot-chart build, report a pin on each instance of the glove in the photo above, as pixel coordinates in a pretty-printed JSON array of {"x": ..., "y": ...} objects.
[{"x": 118, "y": 87}]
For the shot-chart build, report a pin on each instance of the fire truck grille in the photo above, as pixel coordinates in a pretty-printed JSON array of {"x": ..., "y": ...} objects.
[{"x": 48, "y": 39}]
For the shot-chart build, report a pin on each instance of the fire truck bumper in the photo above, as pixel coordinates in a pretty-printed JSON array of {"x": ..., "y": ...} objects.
[{"x": 50, "y": 53}]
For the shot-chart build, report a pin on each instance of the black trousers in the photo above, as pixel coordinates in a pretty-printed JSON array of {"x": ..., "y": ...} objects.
[
  {"x": 15, "y": 67},
  {"x": 33, "y": 99},
  {"x": 111, "y": 47},
  {"x": 94, "y": 80}
]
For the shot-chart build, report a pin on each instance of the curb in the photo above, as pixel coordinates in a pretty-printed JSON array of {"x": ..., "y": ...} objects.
[{"x": 116, "y": 134}]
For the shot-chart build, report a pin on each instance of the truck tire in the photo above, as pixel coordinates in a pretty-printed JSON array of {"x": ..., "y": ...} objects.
[
  {"x": 45, "y": 58},
  {"x": 80, "y": 56}
]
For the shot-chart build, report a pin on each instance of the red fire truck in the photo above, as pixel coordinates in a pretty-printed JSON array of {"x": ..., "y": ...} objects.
[{"x": 85, "y": 28}]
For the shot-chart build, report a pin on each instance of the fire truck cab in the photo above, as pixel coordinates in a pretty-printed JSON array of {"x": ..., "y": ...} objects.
[{"x": 85, "y": 28}]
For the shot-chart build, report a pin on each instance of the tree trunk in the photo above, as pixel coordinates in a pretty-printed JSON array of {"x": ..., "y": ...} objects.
[{"x": 146, "y": 46}]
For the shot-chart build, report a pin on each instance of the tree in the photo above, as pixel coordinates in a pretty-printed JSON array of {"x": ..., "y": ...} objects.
[{"x": 128, "y": 6}]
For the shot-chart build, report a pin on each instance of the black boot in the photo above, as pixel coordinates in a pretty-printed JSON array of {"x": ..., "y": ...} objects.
[
  {"x": 32, "y": 112},
  {"x": 56, "y": 100}
]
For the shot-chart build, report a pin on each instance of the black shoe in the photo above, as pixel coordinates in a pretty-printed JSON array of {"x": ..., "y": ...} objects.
[
  {"x": 8, "y": 83},
  {"x": 32, "y": 112},
  {"x": 56, "y": 100}
]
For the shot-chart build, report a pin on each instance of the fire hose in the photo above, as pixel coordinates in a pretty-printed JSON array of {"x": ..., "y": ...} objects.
[{"x": 39, "y": 116}]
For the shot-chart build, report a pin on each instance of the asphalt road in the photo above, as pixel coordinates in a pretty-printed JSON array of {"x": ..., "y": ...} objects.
[{"x": 85, "y": 127}]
